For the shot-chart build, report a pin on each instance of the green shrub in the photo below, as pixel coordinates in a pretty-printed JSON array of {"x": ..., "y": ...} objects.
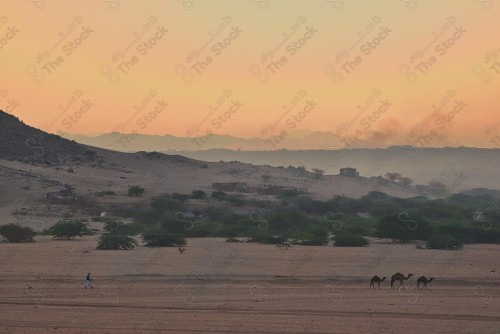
[
  {"x": 219, "y": 195},
  {"x": 233, "y": 240},
  {"x": 164, "y": 202},
  {"x": 403, "y": 227},
  {"x": 16, "y": 233},
  {"x": 70, "y": 229},
  {"x": 159, "y": 237},
  {"x": 216, "y": 213},
  {"x": 288, "y": 193},
  {"x": 346, "y": 239},
  {"x": 198, "y": 194},
  {"x": 117, "y": 227},
  {"x": 444, "y": 241},
  {"x": 180, "y": 197},
  {"x": 266, "y": 237},
  {"x": 310, "y": 239},
  {"x": 355, "y": 225},
  {"x": 236, "y": 200},
  {"x": 105, "y": 192},
  {"x": 135, "y": 191},
  {"x": 206, "y": 229},
  {"x": 110, "y": 241}
]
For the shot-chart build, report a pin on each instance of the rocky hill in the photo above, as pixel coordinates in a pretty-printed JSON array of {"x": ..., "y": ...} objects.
[{"x": 21, "y": 142}]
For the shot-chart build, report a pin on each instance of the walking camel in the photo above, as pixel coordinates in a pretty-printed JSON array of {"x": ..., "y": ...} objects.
[
  {"x": 399, "y": 277},
  {"x": 424, "y": 281},
  {"x": 376, "y": 279}
]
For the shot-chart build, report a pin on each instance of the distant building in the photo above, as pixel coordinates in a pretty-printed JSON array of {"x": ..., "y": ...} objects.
[
  {"x": 348, "y": 171},
  {"x": 265, "y": 189},
  {"x": 273, "y": 189},
  {"x": 64, "y": 195},
  {"x": 231, "y": 186}
]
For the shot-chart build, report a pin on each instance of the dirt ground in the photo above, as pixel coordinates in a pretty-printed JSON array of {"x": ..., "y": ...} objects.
[{"x": 219, "y": 287}]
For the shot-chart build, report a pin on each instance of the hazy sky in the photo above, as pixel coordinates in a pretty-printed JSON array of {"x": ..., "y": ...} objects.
[{"x": 421, "y": 72}]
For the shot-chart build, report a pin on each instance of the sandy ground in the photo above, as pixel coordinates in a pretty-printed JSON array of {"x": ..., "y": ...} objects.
[{"x": 245, "y": 288}]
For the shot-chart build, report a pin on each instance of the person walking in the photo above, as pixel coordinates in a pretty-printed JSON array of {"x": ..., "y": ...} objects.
[{"x": 88, "y": 281}]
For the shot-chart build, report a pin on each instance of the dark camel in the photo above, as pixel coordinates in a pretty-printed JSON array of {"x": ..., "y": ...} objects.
[
  {"x": 424, "y": 281},
  {"x": 376, "y": 279},
  {"x": 399, "y": 277}
]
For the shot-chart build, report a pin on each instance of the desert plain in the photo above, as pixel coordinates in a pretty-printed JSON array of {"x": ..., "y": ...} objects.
[{"x": 221, "y": 287}]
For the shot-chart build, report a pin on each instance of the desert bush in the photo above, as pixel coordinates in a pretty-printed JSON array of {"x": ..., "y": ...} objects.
[
  {"x": 135, "y": 191},
  {"x": 175, "y": 223},
  {"x": 70, "y": 229},
  {"x": 198, "y": 194},
  {"x": 260, "y": 203},
  {"x": 288, "y": 193},
  {"x": 165, "y": 202},
  {"x": 444, "y": 241},
  {"x": 346, "y": 239},
  {"x": 403, "y": 228},
  {"x": 206, "y": 229},
  {"x": 318, "y": 173},
  {"x": 266, "y": 178},
  {"x": 405, "y": 181},
  {"x": 116, "y": 241},
  {"x": 160, "y": 238},
  {"x": 309, "y": 239},
  {"x": 233, "y": 240},
  {"x": 393, "y": 177},
  {"x": 128, "y": 212},
  {"x": 438, "y": 188},
  {"x": 117, "y": 227},
  {"x": 83, "y": 203},
  {"x": 180, "y": 197},
  {"x": 16, "y": 233},
  {"x": 266, "y": 237},
  {"x": 219, "y": 195},
  {"x": 216, "y": 213},
  {"x": 236, "y": 200},
  {"x": 105, "y": 193}
]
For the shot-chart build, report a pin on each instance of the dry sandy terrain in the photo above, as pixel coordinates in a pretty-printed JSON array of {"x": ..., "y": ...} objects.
[{"x": 245, "y": 288}]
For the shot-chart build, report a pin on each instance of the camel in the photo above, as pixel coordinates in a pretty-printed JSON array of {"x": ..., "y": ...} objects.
[
  {"x": 424, "y": 281},
  {"x": 399, "y": 277},
  {"x": 376, "y": 279}
]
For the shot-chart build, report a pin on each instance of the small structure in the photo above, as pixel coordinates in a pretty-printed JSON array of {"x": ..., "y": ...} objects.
[
  {"x": 63, "y": 195},
  {"x": 241, "y": 187},
  {"x": 274, "y": 189},
  {"x": 349, "y": 171},
  {"x": 264, "y": 189},
  {"x": 105, "y": 215}
]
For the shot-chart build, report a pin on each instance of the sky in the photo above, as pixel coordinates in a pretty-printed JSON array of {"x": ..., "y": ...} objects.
[{"x": 390, "y": 72}]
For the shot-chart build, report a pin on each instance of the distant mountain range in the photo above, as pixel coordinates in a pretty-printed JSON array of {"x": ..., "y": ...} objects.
[
  {"x": 296, "y": 140},
  {"x": 458, "y": 167}
]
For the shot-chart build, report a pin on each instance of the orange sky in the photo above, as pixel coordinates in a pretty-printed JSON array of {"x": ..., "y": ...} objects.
[{"x": 53, "y": 53}]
